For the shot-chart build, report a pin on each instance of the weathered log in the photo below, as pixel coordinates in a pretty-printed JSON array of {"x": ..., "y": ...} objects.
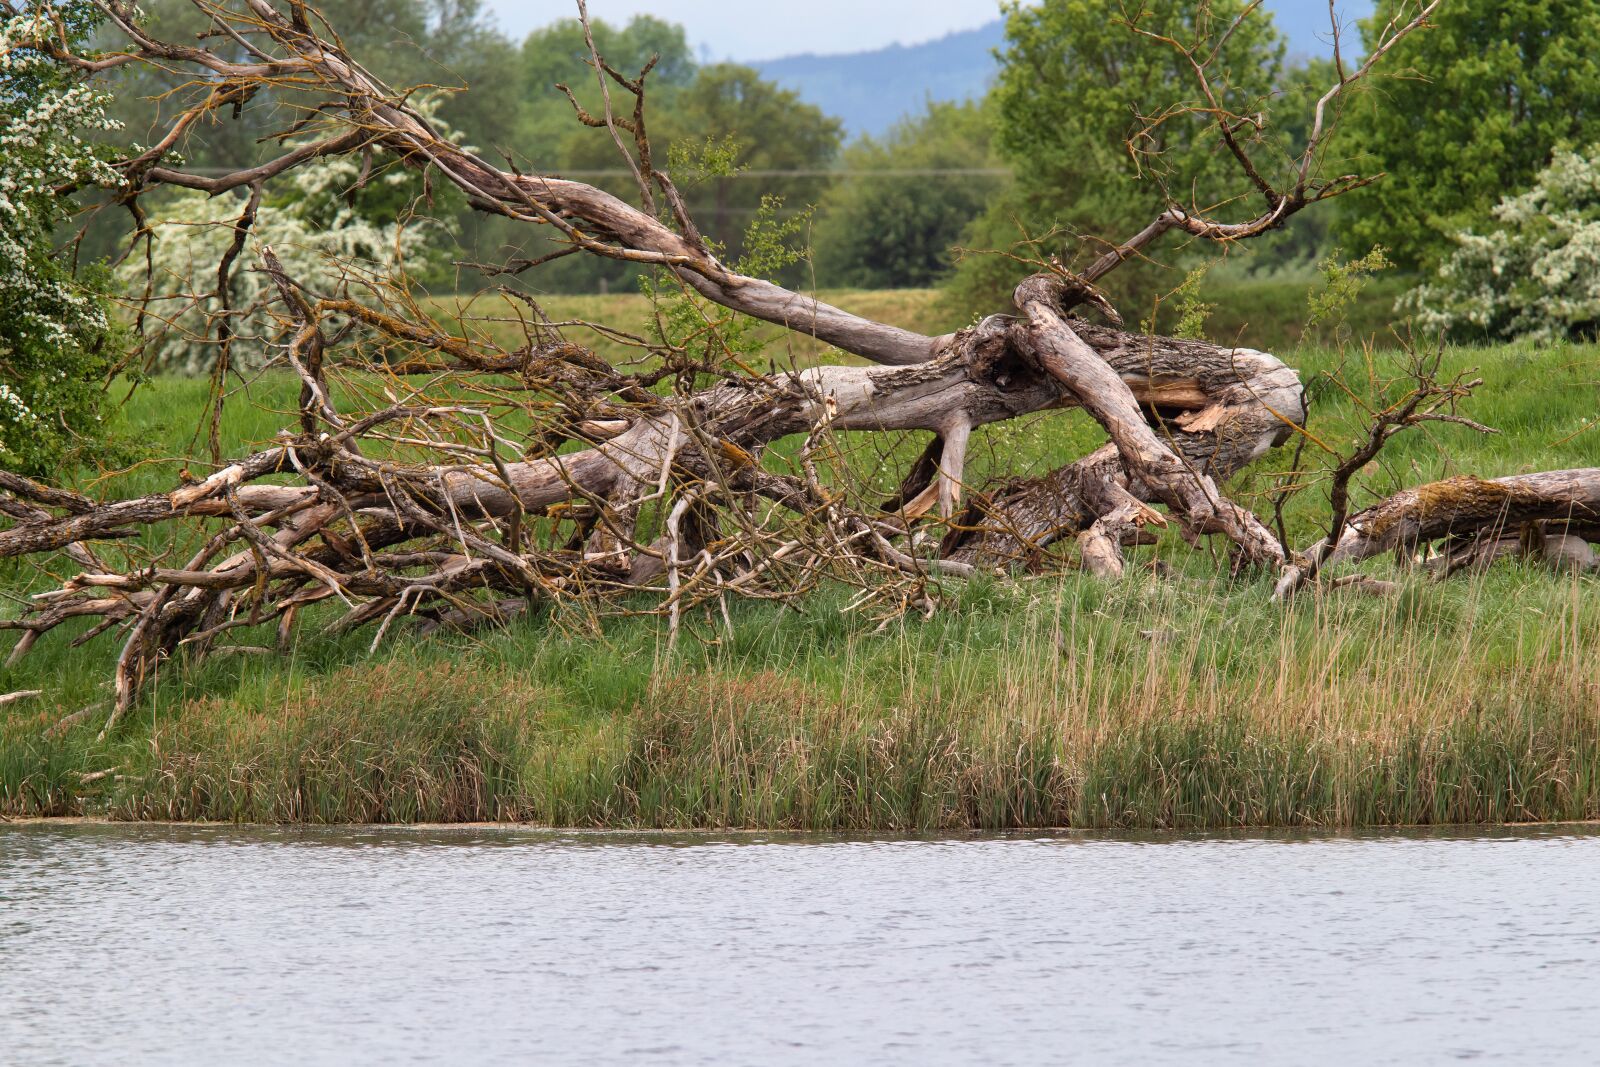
[
  {"x": 1218, "y": 409},
  {"x": 1467, "y": 506},
  {"x": 1159, "y": 469},
  {"x": 1243, "y": 401},
  {"x": 1473, "y": 513}
]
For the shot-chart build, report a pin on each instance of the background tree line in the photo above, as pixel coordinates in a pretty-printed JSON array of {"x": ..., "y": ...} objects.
[
  {"x": 1485, "y": 129},
  {"x": 1480, "y": 106}
]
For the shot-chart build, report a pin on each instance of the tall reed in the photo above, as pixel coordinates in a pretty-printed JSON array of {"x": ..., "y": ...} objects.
[{"x": 1180, "y": 704}]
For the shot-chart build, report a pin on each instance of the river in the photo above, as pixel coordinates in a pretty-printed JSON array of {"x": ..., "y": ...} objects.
[{"x": 146, "y": 945}]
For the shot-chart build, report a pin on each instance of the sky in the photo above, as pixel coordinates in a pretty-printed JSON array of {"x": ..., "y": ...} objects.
[{"x": 751, "y": 30}]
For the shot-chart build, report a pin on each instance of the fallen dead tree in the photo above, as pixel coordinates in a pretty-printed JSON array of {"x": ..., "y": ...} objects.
[
  {"x": 457, "y": 481},
  {"x": 1552, "y": 515}
]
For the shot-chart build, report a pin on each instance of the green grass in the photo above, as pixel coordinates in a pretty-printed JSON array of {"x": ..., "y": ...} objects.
[
  {"x": 1049, "y": 703},
  {"x": 1190, "y": 701},
  {"x": 1270, "y": 313}
]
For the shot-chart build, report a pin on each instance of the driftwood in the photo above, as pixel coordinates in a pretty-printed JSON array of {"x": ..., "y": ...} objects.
[{"x": 608, "y": 488}]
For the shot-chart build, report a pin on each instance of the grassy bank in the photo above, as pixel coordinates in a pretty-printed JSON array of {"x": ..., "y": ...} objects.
[
  {"x": 1188, "y": 701},
  {"x": 1063, "y": 703}
]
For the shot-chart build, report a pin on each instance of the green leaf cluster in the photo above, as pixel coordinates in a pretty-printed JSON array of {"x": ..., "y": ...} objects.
[
  {"x": 57, "y": 338},
  {"x": 1077, "y": 83},
  {"x": 1471, "y": 110}
]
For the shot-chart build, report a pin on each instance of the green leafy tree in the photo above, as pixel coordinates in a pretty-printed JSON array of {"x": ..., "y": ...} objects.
[
  {"x": 335, "y": 224},
  {"x": 407, "y": 43},
  {"x": 339, "y": 252},
  {"x": 731, "y": 140},
  {"x": 55, "y": 330},
  {"x": 1305, "y": 241},
  {"x": 549, "y": 137},
  {"x": 891, "y": 223},
  {"x": 461, "y": 48},
  {"x": 776, "y": 133},
  {"x": 1076, "y": 83},
  {"x": 1494, "y": 88},
  {"x": 557, "y": 54}
]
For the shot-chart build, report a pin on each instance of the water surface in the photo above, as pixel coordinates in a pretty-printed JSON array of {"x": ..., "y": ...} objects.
[{"x": 185, "y": 945}]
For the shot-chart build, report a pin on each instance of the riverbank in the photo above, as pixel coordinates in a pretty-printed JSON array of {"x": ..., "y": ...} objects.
[
  {"x": 1179, "y": 701},
  {"x": 1051, "y": 704}
]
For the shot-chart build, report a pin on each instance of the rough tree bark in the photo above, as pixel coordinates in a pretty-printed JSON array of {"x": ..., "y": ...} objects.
[{"x": 1560, "y": 509}]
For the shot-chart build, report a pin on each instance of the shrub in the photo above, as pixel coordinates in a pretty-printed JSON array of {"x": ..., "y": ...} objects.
[
  {"x": 1536, "y": 275},
  {"x": 334, "y": 230},
  {"x": 56, "y": 336}
]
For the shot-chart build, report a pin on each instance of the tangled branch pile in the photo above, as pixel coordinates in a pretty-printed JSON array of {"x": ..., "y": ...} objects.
[{"x": 435, "y": 474}]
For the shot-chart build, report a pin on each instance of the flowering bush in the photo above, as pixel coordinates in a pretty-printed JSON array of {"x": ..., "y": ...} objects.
[
  {"x": 330, "y": 235},
  {"x": 1537, "y": 274},
  {"x": 56, "y": 337}
]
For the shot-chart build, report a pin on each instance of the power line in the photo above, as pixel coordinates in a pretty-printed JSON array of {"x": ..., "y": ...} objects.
[
  {"x": 924, "y": 172},
  {"x": 887, "y": 172}
]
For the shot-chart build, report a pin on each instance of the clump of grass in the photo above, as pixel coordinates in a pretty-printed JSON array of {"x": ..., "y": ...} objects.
[
  {"x": 1176, "y": 741},
  {"x": 760, "y": 752},
  {"x": 393, "y": 743},
  {"x": 42, "y": 774}
]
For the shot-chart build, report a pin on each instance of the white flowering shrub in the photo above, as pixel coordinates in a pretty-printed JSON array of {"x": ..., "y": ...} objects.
[
  {"x": 56, "y": 336},
  {"x": 1536, "y": 276},
  {"x": 333, "y": 232}
]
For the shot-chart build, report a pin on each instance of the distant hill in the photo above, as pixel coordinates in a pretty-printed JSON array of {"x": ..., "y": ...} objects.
[{"x": 870, "y": 91}]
